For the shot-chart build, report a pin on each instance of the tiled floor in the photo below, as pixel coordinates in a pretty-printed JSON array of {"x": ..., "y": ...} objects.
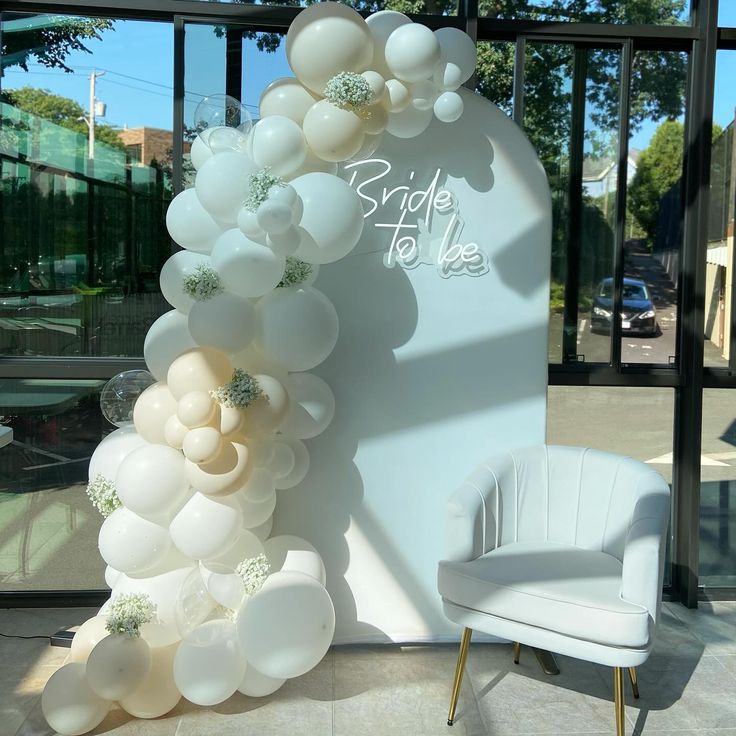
[{"x": 687, "y": 687}]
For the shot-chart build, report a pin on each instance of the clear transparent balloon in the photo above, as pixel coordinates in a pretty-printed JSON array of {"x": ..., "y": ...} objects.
[
  {"x": 120, "y": 393},
  {"x": 222, "y": 110},
  {"x": 193, "y": 604}
]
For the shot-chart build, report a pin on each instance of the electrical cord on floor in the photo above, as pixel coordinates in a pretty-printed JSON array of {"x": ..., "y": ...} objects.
[{"x": 20, "y": 636}]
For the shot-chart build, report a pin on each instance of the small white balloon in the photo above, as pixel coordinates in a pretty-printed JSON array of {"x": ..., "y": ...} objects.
[
  {"x": 206, "y": 526},
  {"x": 274, "y": 217},
  {"x": 190, "y": 225},
  {"x": 377, "y": 84},
  {"x": 398, "y": 96},
  {"x": 111, "y": 576},
  {"x": 132, "y": 544},
  {"x": 301, "y": 464},
  {"x": 257, "y": 685},
  {"x": 223, "y": 183},
  {"x": 248, "y": 225},
  {"x": 117, "y": 665},
  {"x": 226, "y": 322},
  {"x": 202, "y": 445},
  {"x": 449, "y": 107},
  {"x": 195, "y": 409},
  {"x": 288, "y": 98},
  {"x": 287, "y": 552},
  {"x": 285, "y": 194},
  {"x": 311, "y": 406},
  {"x": 167, "y": 338},
  {"x": 278, "y": 144},
  {"x": 286, "y": 243},
  {"x": 412, "y": 51}
]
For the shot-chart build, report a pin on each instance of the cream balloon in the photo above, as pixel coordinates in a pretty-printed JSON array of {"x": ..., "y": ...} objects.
[
  {"x": 69, "y": 705},
  {"x": 377, "y": 84},
  {"x": 190, "y": 225},
  {"x": 260, "y": 486},
  {"x": 333, "y": 133},
  {"x": 297, "y": 326},
  {"x": 157, "y": 693},
  {"x": 278, "y": 144},
  {"x": 209, "y": 666},
  {"x": 325, "y": 39},
  {"x": 398, "y": 96},
  {"x": 449, "y": 107},
  {"x": 113, "y": 449},
  {"x": 381, "y": 25},
  {"x": 299, "y": 469},
  {"x": 332, "y": 222},
  {"x": 223, "y": 183},
  {"x": 311, "y": 406},
  {"x": 167, "y": 338},
  {"x": 287, "y": 552},
  {"x": 152, "y": 480},
  {"x": 229, "y": 471},
  {"x": 410, "y": 123},
  {"x": 87, "y": 637},
  {"x": 267, "y": 412},
  {"x": 175, "y": 432},
  {"x": 287, "y": 627},
  {"x": 132, "y": 544},
  {"x": 246, "y": 268},
  {"x": 175, "y": 270},
  {"x": 202, "y": 445},
  {"x": 151, "y": 411},
  {"x": 225, "y": 322},
  {"x": 412, "y": 51},
  {"x": 458, "y": 49},
  {"x": 206, "y": 527},
  {"x": 117, "y": 665},
  {"x": 257, "y": 685},
  {"x": 195, "y": 409},
  {"x": 288, "y": 98},
  {"x": 245, "y": 546},
  {"x": 231, "y": 420},
  {"x": 256, "y": 513},
  {"x": 199, "y": 369}
]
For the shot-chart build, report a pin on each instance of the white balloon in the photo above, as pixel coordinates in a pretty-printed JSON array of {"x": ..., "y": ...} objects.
[
  {"x": 301, "y": 464},
  {"x": 412, "y": 51},
  {"x": 229, "y": 471},
  {"x": 459, "y": 49},
  {"x": 202, "y": 445},
  {"x": 167, "y": 338},
  {"x": 206, "y": 527},
  {"x": 111, "y": 576},
  {"x": 326, "y": 39},
  {"x": 286, "y": 243},
  {"x": 409, "y": 123},
  {"x": 245, "y": 546},
  {"x": 381, "y": 25},
  {"x": 423, "y": 94},
  {"x": 311, "y": 406},
  {"x": 113, "y": 449},
  {"x": 447, "y": 76},
  {"x": 448, "y": 107},
  {"x": 247, "y": 268},
  {"x": 152, "y": 410},
  {"x": 283, "y": 459},
  {"x": 201, "y": 150},
  {"x": 209, "y": 666},
  {"x": 174, "y": 271},
  {"x": 297, "y": 326},
  {"x": 152, "y": 480},
  {"x": 222, "y": 185},
  {"x": 132, "y": 544},
  {"x": 398, "y": 96},
  {"x": 314, "y": 164},
  {"x": 175, "y": 432},
  {"x": 287, "y": 627},
  {"x": 333, "y": 133},
  {"x": 190, "y": 225},
  {"x": 196, "y": 409},
  {"x": 267, "y": 412},
  {"x": 226, "y": 322},
  {"x": 69, "y": 705},
  {"x": 225, "y": 586},
  {"x": 332, "y": 222},
  {"x": 87, "y": 637},
  {"x": 287, "y": 552},
  {"x": 260, "y": 486},
  {"x": 255, "y": 514},
  {"x": 157, "y": 693},
  {"x": 372, "y": 142},
  {"x": 117, "y": 665},
  {"x": 377, "y": 84},
  {"x": 257, "y": 685},
  {"x": 263, "y": 531},
  {"x": 278, "y": 144},
  {"x": 225, "y": 138},
  {"x": 248, "y": 225},
  {"x": 288, "y": 98},
  {"x": 274, "y": 217},
  {"x": 199, "y": 369}
]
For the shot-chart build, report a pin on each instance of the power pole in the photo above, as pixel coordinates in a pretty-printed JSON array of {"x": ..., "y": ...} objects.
[{"x": 91, "y": 113}]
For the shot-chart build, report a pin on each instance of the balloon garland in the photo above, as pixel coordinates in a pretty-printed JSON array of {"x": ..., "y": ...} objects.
[{"x": 205, "y": 602}]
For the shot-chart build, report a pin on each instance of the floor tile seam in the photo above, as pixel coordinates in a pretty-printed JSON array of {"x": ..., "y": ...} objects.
[
  {"x": 36, "y": 702},
  {"x": 717, "y": 657}
]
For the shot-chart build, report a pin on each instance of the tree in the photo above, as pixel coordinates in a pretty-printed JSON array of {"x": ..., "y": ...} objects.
[{"x": 58, "y": 110}]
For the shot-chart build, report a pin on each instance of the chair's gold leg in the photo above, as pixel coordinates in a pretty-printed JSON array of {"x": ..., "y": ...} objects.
[
  {"x": 459, "y": 670},
  {"x": 618, "y": 698},
  {"x": 634, "y": 682},
  {"x": 517, "y": 652}
]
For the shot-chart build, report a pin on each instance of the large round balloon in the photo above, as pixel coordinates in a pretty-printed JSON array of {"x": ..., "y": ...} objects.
[
  {"x": 287, "y": 552},
  {"x": 223, "y": 183},
  {"x": 190, "y": 225},
  {"x": 132, "y": 544},
  {"x": 156, "y": 694},
  {"x": 412, "y": 51},
  {"x": 287, "y": 627},
  {"x": 86, "y": 638},
  {"x": 228, "y": 472},
  {"x": 151, "y": 412},
  {"x": 226, "y": 322},
  {"x": 381, "y": 25},
  {"x": 325, "y": 39},
  {"x": 111, "y": 452},
  {"x": 209, "y": 666},
  {"x": 69, "y": 704},
  {"x": 247, "y": 268},
  {"x": 206, "y": 526},
  {"x": 167, "y": 338},
  {"x": 174, "y": 271},
  {"x": 332, "y": 222},
  {"x": 278, "y": 144},
  {"x": 311, "y": 406},
  {"x": 152, "y": 480},
  {"x": 333, "y": 133},
  {"x": 288, "y": 98},
  {"x": 458, "y": 49},
  {"x": 200, "y": 369},
  {"x": 296, "y": 326},
  {"x": 117, "y": 665}
]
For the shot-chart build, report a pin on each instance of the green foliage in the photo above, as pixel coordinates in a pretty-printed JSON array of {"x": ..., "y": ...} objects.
[{"x": 59, "y": 110}]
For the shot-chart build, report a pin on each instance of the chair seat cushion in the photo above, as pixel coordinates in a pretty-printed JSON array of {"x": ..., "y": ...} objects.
[{"x": 572, "y": 591}]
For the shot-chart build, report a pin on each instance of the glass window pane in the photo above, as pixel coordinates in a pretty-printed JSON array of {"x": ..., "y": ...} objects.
[
  {"x": 85, "y": 185},
  {"x": 429, "y": 7},
  {"x": 48, "y": 431},
  {"x": 495, "y": 73},
  {"x": 718, "y": 489},
  {"x": 648, "y": 12}
]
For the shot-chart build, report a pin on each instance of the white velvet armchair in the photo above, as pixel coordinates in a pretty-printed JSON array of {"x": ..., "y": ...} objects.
[{"x": 560, "y": 548}]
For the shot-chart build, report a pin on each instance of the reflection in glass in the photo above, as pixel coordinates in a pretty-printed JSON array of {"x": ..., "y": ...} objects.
[
  {"x": 48, "y": 431},
  {"x": 494, "y": 75},
  {"x": 82, "y": 199}
]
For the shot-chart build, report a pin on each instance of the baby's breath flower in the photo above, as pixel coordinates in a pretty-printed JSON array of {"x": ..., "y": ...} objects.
[
  {"x": 103, "y": 494},
  {"x": 242, "y": 391},
  {"x": 128, "y": 612},
  {"x": 349, "y": 90},
  {"x": 253, "y": 572},
  {"x": 260, "y": 184},
  {"x": 296, "y": 272},
  {"x": 203, "y": 284}
]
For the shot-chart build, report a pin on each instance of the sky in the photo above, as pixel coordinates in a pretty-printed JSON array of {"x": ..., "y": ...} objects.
[{"x": 137, "y": 86}]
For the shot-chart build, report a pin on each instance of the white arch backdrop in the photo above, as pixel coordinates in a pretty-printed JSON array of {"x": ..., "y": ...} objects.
[{"x": 430, "y": 251}]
